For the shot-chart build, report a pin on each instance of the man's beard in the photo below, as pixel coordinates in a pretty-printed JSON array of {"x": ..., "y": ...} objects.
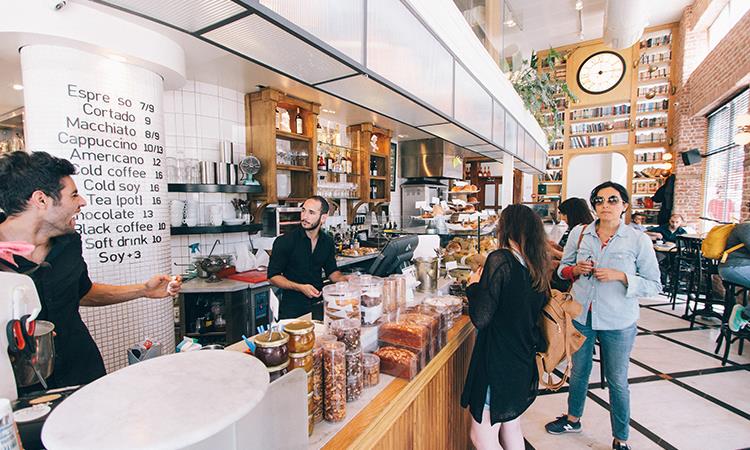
[{"x": 312, "y": 226}]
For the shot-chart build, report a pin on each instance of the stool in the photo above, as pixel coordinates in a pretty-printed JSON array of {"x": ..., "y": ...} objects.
[{"x": 727, "y": 336}]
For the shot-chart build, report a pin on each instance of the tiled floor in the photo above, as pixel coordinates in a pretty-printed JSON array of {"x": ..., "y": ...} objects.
[{"x": 681, "y": 395}]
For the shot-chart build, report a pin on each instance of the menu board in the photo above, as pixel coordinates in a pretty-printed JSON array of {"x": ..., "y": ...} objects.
[
  {"x": 106, "y": 118},
  {"x": 108, "y": 122}
]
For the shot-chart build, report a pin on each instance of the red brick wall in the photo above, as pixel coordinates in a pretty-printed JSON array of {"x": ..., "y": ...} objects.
[{"x": 702, "y": 84}]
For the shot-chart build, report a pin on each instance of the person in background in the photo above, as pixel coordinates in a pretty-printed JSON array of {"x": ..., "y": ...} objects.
[
  {"x": 637, "y": 221},
  {"x": 665, "y": 196},
  {"x": 736, "y": 269},
  {"x": 505, "y": 301},
  {"x": 298, "y": 259},
  {"x": 40, "y": 202},
  {"x": 668, "y": 232},
  {"x": 573, "y": 211},
  {"x": 611, "y": 265}
]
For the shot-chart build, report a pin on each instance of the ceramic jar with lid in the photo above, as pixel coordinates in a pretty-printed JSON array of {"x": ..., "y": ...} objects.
[
  {"x": 301, "y": 336},
  {"x": 303, "y": 360},
  {"x": 271, "y": 348},
  {"x": 277, "y": 372}
]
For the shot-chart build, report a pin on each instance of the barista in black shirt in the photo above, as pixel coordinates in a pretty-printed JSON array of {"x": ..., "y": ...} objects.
[
  {"x": 298, "y": 259},
  {"x": 40, "y": 201}
]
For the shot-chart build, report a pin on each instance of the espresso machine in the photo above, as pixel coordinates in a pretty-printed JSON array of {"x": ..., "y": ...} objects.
[{"x": 18, "y": 299}]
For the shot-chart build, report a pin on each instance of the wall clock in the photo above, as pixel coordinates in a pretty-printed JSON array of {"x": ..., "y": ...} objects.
[{"x": 601, "y": 72}]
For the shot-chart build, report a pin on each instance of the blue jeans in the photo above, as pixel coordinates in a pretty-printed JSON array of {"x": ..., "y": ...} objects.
[
  {"x": 737, "y": 274},
  {"x": 615, "y": 353}
]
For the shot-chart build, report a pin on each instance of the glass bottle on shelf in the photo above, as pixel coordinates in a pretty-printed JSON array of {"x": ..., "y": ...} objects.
[
  {"x": 329, "y": 161},
  {"x": 373, "y": 167},
  {"x": 349, "y": 164},
  {"x": 321, "y": 162},
  {"x": 298, "y": 123},
  {"x": 336, "y": 135}
]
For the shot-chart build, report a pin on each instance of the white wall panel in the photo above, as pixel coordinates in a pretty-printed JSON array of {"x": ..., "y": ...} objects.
[
  {"x": 402, "y": 50},
  {"x": 511, "y": 134},
  {"x": 473, "y": 106},
  {"x": 498, "y": 124}
]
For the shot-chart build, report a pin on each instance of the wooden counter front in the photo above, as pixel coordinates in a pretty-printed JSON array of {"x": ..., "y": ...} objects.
[{"x": 424, "y": 413}]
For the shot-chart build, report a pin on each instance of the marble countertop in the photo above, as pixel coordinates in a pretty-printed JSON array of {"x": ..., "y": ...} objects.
[
  {"x": 146, "y": 405},
  {"x": 343, "y": 261},
  {"x": 199, "y": 285}
]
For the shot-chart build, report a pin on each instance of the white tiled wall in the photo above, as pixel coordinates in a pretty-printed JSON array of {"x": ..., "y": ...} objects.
[{"x": 197, "y": 119}]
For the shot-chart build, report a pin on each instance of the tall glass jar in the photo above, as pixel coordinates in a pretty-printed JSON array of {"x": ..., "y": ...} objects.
[
  {"x": 341, "y": 301},
  {"x": 334, "y": 381}
]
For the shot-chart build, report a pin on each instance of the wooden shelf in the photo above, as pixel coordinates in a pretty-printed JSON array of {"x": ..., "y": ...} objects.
[
  {"x": 292, "y": 136},
  {"x": 551, "y": 182},
  {"x": 320, "y": 171},
  {"x": 660, "y": 112},
  {"x": 647, "y": 209},
  {"x": 373, "y": 177},
  {"x": 651, "y": 128},
  {"x": 293, "y": 168},
  {"x": 600, "y": 118},
  {"x": 209, "y": 229},
  {"x": 598, "y": 133},
  {"x": 651, "y": 80},
  {"x": 234, "y": 188},
  {"x": 378, "y": 155}
]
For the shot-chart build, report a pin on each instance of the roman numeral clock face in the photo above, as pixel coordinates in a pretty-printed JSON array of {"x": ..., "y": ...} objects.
[{"x": 601, "y": 72}]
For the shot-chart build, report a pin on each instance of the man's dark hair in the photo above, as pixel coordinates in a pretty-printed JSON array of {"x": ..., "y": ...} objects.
[
  {"x": 21, "y": 174},
  {"x": 637, "y": 214},
  {"x": 324, "y": 207},
  {"x": 610, "y": 184}
]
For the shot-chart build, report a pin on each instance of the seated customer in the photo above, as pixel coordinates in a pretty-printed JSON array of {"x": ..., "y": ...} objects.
[
  {"x": 736, "y": 269},
  {"x": 668, "y": 233},
  {"x": 637, "y": 221}
]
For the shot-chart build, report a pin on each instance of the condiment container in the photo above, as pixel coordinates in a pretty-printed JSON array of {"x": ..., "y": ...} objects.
[
  {"x": 275, "y": 373},
  {"x": 271, "y": 348},
  {"x": 301, "y": 336}
]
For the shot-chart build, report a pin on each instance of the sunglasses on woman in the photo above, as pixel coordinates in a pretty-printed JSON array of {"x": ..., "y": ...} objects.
[{"x": 612, "y": 200}]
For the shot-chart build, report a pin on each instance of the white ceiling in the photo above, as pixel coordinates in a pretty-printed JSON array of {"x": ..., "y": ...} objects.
[{"x": 554, "y": 23}]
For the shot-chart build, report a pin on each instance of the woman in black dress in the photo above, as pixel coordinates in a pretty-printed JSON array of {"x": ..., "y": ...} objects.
[{"x": 504, "y": 304}]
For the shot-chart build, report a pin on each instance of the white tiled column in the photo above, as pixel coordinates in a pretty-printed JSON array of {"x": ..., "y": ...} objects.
[{"x": 106, "y": 118}]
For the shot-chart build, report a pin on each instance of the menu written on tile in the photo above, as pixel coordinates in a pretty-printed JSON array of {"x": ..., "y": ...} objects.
[
  {"x": 119, "y": 157},
  {"x": 108, "y": 123}
]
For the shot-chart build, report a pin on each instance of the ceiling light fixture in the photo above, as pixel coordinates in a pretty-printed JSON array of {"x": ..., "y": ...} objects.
[
  {"x": 510, "y": 23},
  {"x": 327, "y": 111},
  {"x": 401, "y": 136},
  {"x": 579, "y": 5},
  {"x": 17, "y": 87}
]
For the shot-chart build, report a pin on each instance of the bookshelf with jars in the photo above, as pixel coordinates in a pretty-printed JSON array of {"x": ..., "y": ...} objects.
[
  {"x": 372, "y": 158},
  {"x": 338, "y": 172},
  {"x": 282, "y": 132},
  {"x": 634, "y": 123}
]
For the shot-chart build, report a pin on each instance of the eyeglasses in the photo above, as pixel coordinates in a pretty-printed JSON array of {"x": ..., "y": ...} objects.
[{"x": 612, "y": 200}]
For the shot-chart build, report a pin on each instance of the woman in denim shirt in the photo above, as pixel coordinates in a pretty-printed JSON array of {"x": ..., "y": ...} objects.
[{"x": 612, "y": 267}]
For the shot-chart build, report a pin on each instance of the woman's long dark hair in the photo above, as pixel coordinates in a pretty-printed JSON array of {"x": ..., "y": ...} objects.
[
  {"x": 578, "y": 212},
  {"x": 520, "y": 224}
]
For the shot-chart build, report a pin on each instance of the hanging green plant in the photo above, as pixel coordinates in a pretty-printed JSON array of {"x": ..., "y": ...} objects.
[{"x": 541, "y": 91}]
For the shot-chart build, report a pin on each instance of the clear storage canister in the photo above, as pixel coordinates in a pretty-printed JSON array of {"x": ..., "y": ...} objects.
[
  {"x": 354, "y": 381},
  {"x": 334, "y": 381},
  {"x": 372, "y": 297},
  {"x": 348, "y": 331},
  {"x": 318, "y": 381},
  {"x": 341, "y": 301},
  {"x": 371, "y": 370}
]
